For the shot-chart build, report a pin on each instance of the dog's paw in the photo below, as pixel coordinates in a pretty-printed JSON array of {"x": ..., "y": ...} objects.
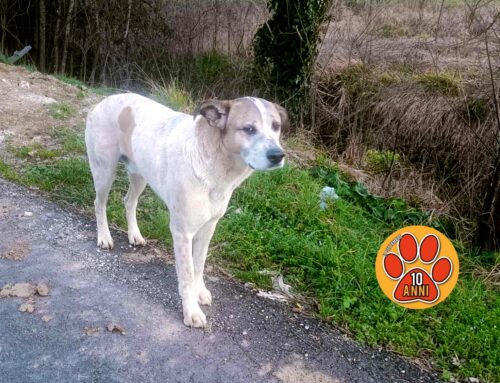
[
  {"x": 194, "y": 317},
  {"x": 204, "y": 296},
  {"x": 136, "y": 239},
  {"x": 105, "y": 241}
]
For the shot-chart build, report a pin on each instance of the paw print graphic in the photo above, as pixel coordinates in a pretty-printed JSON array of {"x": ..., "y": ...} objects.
[{"x": 416, "y": 283}]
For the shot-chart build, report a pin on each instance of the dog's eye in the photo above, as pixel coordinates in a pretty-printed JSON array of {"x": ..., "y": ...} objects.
[
  {"x": 249, "y": 129},
  {"x": 276, "y": 126}
]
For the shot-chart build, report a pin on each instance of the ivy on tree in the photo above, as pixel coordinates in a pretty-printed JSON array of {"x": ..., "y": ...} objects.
[{"x": 286, "y": 45}]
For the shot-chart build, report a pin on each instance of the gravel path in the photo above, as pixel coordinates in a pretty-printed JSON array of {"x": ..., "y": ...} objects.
[{"x": 65, "y": 339}]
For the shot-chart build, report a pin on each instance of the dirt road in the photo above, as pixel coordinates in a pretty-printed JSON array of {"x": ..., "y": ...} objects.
[{"x": 65, "y": 338}]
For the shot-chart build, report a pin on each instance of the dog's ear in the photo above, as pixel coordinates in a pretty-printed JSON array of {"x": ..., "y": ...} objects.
[
  {"x": 215, "y": 112},
  {"x": 285, "y": 122}
]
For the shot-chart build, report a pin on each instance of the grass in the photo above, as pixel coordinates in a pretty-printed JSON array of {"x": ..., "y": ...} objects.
[
  {"x": 274, "y": 223},
  {"x": 174, "y": 96},
  {"x": 61, "y": 110},
  {"x": 440, "y": 83},
  {"x": 70, "y": 140},
  {"x": 82, "y": 88},
  {"x": 35, "y": 151},
  {"x": 381, "y": 161}
]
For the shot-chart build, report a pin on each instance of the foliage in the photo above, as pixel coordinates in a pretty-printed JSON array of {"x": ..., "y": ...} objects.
[
  {"x": 174, "y": 96},
  {"x": 381, "y": 161},
  {"x": 61, "y": 110},
  {"x": 440, "y": 83},
  {"x": 286, "y": 45},
  {"x": 35, "y": 151}
]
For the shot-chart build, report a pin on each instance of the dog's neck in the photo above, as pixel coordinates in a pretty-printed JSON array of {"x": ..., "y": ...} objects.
[{"x": 223, "y": 165}]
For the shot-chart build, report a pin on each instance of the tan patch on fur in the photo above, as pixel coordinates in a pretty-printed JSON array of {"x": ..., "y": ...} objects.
[{"x": 127, "y": 124}]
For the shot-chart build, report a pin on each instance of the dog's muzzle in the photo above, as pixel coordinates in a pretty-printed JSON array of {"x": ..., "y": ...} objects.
[{"x": 275, "y": 155}]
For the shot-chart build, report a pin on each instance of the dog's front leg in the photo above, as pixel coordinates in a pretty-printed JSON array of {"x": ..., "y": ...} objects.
[
  {"x": 183, "y": 244},
  {"x": 201, "y": 243}
]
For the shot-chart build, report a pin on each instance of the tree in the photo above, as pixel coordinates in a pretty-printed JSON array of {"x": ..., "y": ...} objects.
[
  {"x": 41, "y": 36},
  {"x": 286, "y": 45},
  {"x": 488, "y": 227}
]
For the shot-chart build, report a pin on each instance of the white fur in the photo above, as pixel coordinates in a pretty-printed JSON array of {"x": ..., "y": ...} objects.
[{"x": 194, "y": 179}]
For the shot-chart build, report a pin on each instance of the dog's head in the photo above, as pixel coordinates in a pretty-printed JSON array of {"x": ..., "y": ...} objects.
[{"x": 250, "y": 127}]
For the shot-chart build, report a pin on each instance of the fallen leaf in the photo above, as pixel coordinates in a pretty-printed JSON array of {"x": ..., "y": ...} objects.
[
  {"x": 113, "y": 327},
  {"x": 91, "y": 331},
  {"x": 297, "y": 308}
]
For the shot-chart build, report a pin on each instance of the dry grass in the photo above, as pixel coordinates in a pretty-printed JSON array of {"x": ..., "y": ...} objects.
[
  {"x": 443, "y": 129},
  {"x": 420, "y": 33}
]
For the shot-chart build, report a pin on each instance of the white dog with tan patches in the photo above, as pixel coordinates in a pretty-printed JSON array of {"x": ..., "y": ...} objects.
[{"x": 193, "y": 164}]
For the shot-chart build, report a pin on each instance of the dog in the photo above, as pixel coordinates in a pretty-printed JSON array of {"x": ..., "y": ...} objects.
[{"x": 193, "y": 163}]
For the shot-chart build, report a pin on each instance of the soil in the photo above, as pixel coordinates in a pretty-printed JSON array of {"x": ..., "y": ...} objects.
[{"x": 26, "y": 99}]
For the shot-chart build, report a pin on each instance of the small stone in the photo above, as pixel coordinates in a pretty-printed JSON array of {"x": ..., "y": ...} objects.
[
  {"x": 28, "y": 214},
  {"x": 27, "y": 307},
  {"x": 47, "y": 318},
  {"x": 42, "y": 289}
]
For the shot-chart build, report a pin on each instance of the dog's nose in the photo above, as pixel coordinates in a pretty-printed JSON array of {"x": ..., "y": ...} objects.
[{"x": 275, "y": 155}]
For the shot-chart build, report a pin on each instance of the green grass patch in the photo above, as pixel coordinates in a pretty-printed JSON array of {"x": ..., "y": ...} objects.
[
  {"x": 61, "y": 110},
  {"x": 440, "y": 83},
  {"x": 82, "y": 88},
  {"x": 390, "y": 30},
  {"x": 104, "y": 91},
  {"x": 72, "y": 141},
  {"x": 69, "y": 80},
  {"x": 173, "y": 96},
  {"x": 274, "y": 223},
  {"x": 380, "y": 161},
  {"x": 34, "y": 151}
]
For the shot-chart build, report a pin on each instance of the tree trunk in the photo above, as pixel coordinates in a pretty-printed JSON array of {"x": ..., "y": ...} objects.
[
  {"x": 41, "y": 39},
  {"x": 66, "y": 35},
  {"x": 3, "y": 26},
  {"x": 56, "y": 36},
  {"x": 488, "y": 228}
]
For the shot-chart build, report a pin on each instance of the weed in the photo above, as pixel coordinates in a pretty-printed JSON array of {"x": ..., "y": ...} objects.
[
  {"x": 380, "y": 161},
  {"x": 69, "y": 80},
  {"x": 71, "y": 140},
  {"x": 61, "y": 110},
  {"x": 35, "y": 151},
  {"x": 174, "y": 96},
  {"x": 474, "y": 109},
  {"x": 440, "y": 83},
  {"x": 103, "y": 91},
  {"x": 3, "y": 58},
  {"x": 8, "y": 172},
  {"x": 390, "y": 30}
]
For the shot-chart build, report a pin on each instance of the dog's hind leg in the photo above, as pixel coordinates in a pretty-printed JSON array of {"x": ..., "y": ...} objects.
[
  {"x": 136, "y": 187},
  {"x": 103, "y": 173}
]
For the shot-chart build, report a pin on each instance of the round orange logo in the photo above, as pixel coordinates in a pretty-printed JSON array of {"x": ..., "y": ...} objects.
[{"x": 417, "y": 267}]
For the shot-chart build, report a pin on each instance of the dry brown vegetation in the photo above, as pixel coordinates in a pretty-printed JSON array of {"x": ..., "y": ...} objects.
[{"x": 412, "y": 77}]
